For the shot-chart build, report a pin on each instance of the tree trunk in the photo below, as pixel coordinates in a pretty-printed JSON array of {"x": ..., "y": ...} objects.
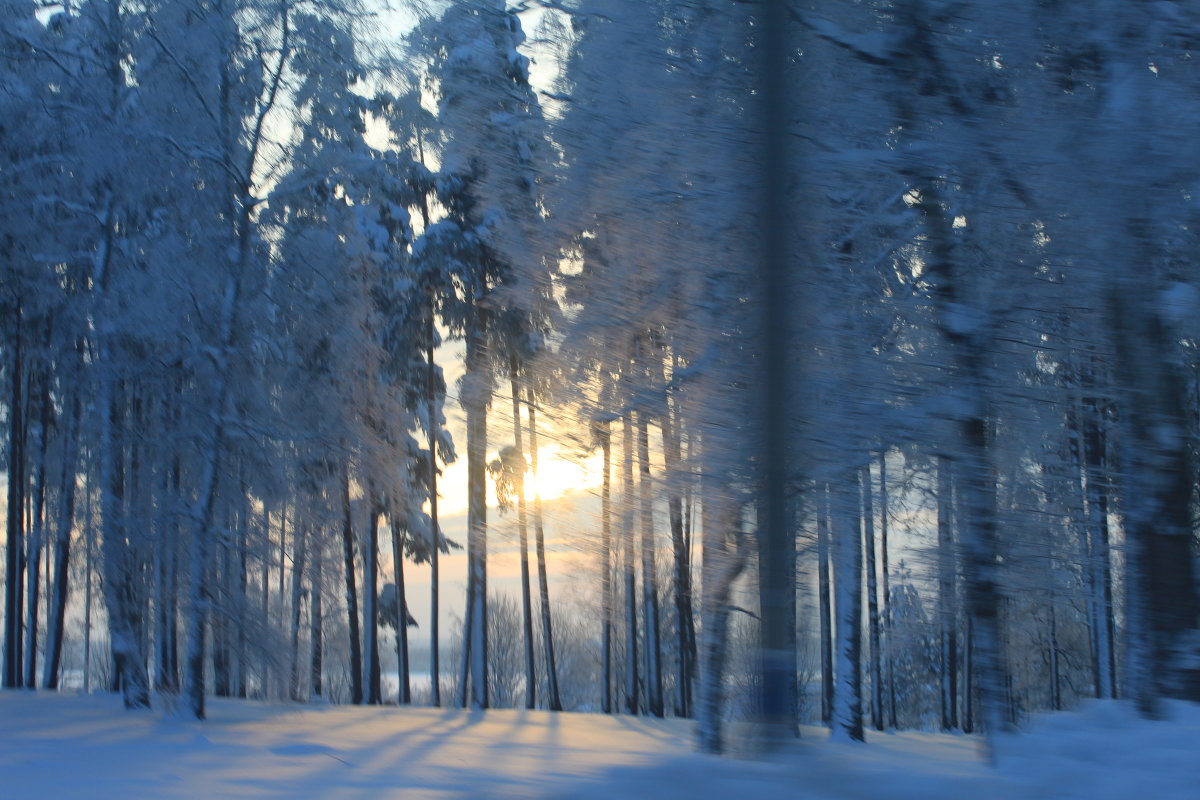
[
  {"x": 36, "y": 540},
  {"x": 87, "y": 591},
  {"x": 404, "y": 690},
  {"x": 887, "y": 596},
  {"x": 316, "y": 622},
  {"x": 1052, "y": 660},
  {"x": 876, "y": 669},
  {"x": 523, "y": 536},
  {"x": 947, "y": 607},
  {"x": 847, "y": 563},
  {"x": 475, "y": 394},
  {"x": 554, "y": 702},
  {"x": 371, "y": 607},
  {"x": 219, "y": 623},
  {"x": 464, "y": 671},
  {"x": 63, "y": 530},
  {"x": 356, "y": 670},
  {"x": 435, "y": 546},
  {"x": 121, "y": 562},
  {"x": 15, "y": 514},
  {"x": 243, "y": 598},
  {"x": 299, "y": 556},
  {"x": 1099, "y": 552},
  {"x": 654, "y": 694},
  {"x": 631, "y": 635},
  {"x": 824, "y": 591},
  {"x": 724, "y": 558},
  {"x": 683, "y": 568},
  {"x": 605, "y": 436},
  {"x": 167, "y": 556}
]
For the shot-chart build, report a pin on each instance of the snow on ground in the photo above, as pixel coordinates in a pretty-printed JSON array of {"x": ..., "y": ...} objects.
[{"x": 78, "y": 746}]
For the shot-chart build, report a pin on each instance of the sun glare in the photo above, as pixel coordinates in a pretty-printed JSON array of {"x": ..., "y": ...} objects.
[{"x": 558, "y": 475}]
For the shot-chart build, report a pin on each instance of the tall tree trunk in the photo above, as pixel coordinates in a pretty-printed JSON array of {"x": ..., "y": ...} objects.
[
  {"x": 166, "y": 559},
  {"x": 1099, "y": 552},
  {"x": 631, "y": 634},
  {"x": 464, "y": 671},
  {"x": 15, "y": 514},
  {"x": 36, "y": 539},
  {"x": 876, "y": 668},
  {"x": 404, "y": 690},
  {"x": 435, "y": 546},
  {"x": 686, "y": 630},
  {"x": 475, "y": 395},
  {"x": 356, "y": 670},
  {"x": 88, "y": 535},
  {"x": 371, "y": 607},
  {"x": 724, "y": 558},
  {"x": 283, "y": 526},
  {"x": 654, "y": 695},
  {"x": 316, "y": 622},
  {"x": 824, "y": 590},
  {"x": 63, "y": 530},
  {"x": 947, "y": 591},
  {"x": 603, "y": 432},
  {"x": 243, "y": 598},
  {"x": 554, "y": 702},
  {"x": 1052, "y": 659},
  {"x": 968, "y": 677},
  {"x": 523, "y": 536},
  {"x": 220, "y": 621},
  {"x": 299, "y": 556},
  {"x": 1161, "y": 586},
  {"x": 265, "y": 598},
  {"x": 887, "y": 596},
  {"x": 847, "y": 534},
  {"x": 121, "y": 556}
]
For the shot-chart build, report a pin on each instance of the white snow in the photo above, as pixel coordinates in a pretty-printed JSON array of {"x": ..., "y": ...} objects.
[{"x": 88, "y": 746}]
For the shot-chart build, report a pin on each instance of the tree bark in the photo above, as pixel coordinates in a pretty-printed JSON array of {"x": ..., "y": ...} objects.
[
  {"x": 553, "y": 700},
  {"x": 404, "y": 689},
  {"x": 63, "y": 530},
  {"x": 36, "y": 539},
  {"x": 356, "y": 666},
  {"x": 603, "y": 432},
  {"x": 887, "y": 596},
  {"x": 316, "y": 622},
  {"x": 523, "y": 536},
  {"x": 475, "y": 396},
  {"x": 371, "y": 606},
  {"x": 847, "y": 534},
  {"x": 1099, "y": 551},
  {"x": 121, "y": 557},
  {"x": 682, "y": 560},
  {"x": 724, "y": 558},
  {"x": 654, "y": 695},
  {"x": 631, "y": 633},
  {"x": 435, "y": 545},
  {"x": 824, "y": 604},
  {"x": 15, "y": 515},
  {"x": 876, "y": 668},
  {"x": 947, "y": 606},
  {"x": 299, "y": 556}
]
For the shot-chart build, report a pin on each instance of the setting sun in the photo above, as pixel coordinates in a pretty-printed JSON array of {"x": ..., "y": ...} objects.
[{"x": 558, "y": 475}]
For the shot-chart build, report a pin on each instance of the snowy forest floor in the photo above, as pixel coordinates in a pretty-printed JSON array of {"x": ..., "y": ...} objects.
[{"x": 88, "y": 746}]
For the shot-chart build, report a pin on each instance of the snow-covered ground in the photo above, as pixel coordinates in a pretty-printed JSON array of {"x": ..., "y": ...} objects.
[{"x": 79, "y": 746}]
